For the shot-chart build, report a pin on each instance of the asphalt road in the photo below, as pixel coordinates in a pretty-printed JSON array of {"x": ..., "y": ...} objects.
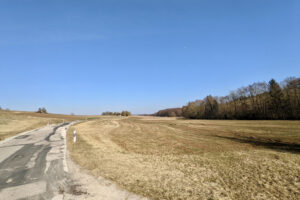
[{"x": 33, "y": 164}]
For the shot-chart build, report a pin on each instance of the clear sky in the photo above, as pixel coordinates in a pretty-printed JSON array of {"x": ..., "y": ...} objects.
[{"x": 91, "y": 56}]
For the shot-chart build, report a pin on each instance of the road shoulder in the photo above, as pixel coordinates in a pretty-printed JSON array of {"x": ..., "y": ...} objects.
[{"x": 86, "y": 186}]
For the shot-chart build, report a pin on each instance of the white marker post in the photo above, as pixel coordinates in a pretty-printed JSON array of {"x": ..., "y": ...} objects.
[{"x": 74, "y": 136}]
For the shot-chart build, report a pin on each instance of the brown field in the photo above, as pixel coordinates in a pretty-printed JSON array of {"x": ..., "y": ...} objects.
[
  {"x": 14, "y": 122},
  {"x": 168, "y": 158}
]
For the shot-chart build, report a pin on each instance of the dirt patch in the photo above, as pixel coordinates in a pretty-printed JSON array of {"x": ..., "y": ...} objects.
[{"x": 76, "y": 190}]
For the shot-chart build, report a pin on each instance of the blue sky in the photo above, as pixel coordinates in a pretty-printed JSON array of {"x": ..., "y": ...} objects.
[{"x": 88, "y": 56}]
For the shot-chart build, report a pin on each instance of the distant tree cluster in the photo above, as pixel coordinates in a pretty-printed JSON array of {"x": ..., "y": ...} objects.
[
  {"x": 123, "y": 113},
  {"x": 42, "y": 110},
  {"x": 170, "y": 112},
  {"x": 7, "y": 109},
  {"x": 259, "y": 100},
  {"x": 111, "y": 113}
]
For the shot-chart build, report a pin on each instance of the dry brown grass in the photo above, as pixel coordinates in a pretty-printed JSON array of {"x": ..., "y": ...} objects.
[
  {"x": 14, "y": 122},
  {"x": 165, "y": 158}
]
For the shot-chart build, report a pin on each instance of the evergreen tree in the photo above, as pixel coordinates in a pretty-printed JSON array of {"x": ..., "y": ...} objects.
[
  {"x": 276, "y": 98},
  {"x": 211, "y": 107}
]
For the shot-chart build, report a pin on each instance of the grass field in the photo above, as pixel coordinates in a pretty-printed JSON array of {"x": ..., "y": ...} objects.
[
  {"x": 167, "y": 158},
  {"x": 14, "y": 122}
]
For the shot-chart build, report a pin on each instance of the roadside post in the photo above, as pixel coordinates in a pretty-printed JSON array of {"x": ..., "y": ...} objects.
[{"x": 74, "y": 136}]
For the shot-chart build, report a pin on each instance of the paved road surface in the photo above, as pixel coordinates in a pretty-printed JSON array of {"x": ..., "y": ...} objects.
[{"x": 33, "y": 164}]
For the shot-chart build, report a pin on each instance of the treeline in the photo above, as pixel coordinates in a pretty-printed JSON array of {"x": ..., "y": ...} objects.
[
  {"x": 123, "y": 113},
  {"x": 259, "y": 100},
  {"x": 170, "y": 112}
]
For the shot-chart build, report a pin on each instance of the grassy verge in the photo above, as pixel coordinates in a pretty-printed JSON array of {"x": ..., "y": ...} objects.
[
  {"x": 165, "y": 158},
  {"x": 14, "y": 122}
]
